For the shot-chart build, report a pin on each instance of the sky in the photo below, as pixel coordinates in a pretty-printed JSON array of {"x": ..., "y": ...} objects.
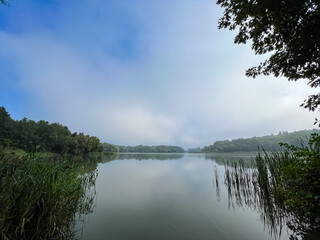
[{"x": 140, "y": 72}]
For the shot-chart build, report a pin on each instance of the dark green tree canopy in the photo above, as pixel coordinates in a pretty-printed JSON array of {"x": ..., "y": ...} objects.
[
  {"x": 288, "y": 29},
  {"x": 4, "y": 2},
  {"x": 43, "y": 136}
]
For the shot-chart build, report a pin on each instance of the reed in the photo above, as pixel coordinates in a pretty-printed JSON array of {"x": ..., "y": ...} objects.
[
  {"x": 40, "y": 196},
  {"x": 283, "y": 186}
]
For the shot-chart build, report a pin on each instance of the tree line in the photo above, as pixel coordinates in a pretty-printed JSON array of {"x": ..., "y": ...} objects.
[
  {"x": 194, "y": 150},
  {"x": 107, "y": 147},
  {"x": 43, "y": 136},
  {"x": 268, "y": 143}
]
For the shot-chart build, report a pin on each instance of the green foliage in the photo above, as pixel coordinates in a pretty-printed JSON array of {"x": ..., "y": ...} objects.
[
  {"x": 268, "y": 143},
  {"x": 30, "y": 135},
  {"x": 151, "y": 149},
  {"x": 4, "y": 2},
  {"x": 298, "y": 183},
  {"x": 39, "y": 197},
  {"x": 284, "y": 186},
  {"x": 194, "y": 150},
  {"x": 110, "y": 148},
  {"x": 288, "y": 29}
]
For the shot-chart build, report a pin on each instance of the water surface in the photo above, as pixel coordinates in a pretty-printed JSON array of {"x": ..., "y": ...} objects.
[{"x": 165, "y": 196}]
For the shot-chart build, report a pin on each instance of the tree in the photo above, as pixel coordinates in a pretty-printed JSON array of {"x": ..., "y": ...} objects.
[
  {"x": 107, "y": 147},
  {"x": 42, "y": 136},
  {"x": 4, "y": 2},
  {"x": 6, "y": 127},
  {"x": 288, "y": 29}
]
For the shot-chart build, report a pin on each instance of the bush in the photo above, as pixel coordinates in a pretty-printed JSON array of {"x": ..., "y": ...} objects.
[{"x": 298, "y": 184}]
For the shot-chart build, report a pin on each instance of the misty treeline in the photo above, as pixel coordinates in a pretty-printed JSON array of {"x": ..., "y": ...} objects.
[
  {"x": 194, "y": 150},
  {"x": 42, "y": 136},
  {"x": 267, "y": 143},
  {"x": 107, "y": 147}
]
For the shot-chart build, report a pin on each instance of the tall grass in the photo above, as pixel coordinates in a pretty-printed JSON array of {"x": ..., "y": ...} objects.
[
  {"x": 283, "y": 186},
  {"x": 39, "y": 197}
]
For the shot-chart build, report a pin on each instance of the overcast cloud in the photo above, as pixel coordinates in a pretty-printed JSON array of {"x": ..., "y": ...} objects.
[{"x": 143, "y": 72}]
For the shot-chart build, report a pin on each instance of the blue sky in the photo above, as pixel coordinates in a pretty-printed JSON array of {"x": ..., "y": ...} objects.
[{"x": 139, "y": 72}]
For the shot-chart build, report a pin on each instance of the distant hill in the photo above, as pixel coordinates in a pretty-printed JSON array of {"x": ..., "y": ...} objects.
[{"x": 268, "y": 143}]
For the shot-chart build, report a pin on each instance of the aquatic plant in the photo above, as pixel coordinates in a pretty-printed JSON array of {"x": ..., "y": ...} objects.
[
  {"x": 283, "y": 186},
  {"x": 40, "y": 197}
]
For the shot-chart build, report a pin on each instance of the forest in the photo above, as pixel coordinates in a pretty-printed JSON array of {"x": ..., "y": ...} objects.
[
  {"x": 267, "y": 143},
  {"x": 194, "y": 150},
  {"x": 151, "y": 149},
  {"x": 43, "y": 136},
  {"x": 110, "y": 148}
]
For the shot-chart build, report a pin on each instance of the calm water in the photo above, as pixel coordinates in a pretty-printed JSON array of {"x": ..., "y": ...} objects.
[{"x": 165, "y": 196}]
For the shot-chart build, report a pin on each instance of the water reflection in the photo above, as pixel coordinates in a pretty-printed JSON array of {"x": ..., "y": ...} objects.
[
  {"x": 244, "y": 191},
  {"x": 142, "y": 156},
  {"x": 247, "y": 187},
  {"x": 230, "y": 158},
  {"x": 165, "y": 200},
  {"x": 86, "y": 168}
]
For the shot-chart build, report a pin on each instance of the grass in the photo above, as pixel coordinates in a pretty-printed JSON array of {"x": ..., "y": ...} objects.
[
  {"x": 283, "y": 186},
  {"x": 40, "y": 196}
]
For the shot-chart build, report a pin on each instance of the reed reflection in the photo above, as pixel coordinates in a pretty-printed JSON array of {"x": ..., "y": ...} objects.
[{"x": 253, "y": 187}]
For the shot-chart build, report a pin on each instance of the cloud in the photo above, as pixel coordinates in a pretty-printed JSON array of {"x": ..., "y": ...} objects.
[
  {"x": 148, "y": 73},
  {"x": 139, "y": 125}
]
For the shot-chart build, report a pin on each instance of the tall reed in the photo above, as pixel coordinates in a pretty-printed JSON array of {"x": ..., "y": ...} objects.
[
  {"x": 283, "y": 186},
  {"x": 39, "y": 197}
]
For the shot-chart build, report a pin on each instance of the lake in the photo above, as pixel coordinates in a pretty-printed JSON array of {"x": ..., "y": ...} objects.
[{"x": 168, "y": 196}]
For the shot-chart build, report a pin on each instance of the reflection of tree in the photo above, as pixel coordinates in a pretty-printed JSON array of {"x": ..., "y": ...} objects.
[
  {"x": 142, "y": 156},
  {"x": 230, "y": 158},
  {"x": 85, "y": 163}
]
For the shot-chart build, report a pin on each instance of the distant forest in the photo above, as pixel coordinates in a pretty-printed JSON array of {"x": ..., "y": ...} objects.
[
  {"x": 268, "y": 143},
  {"x": 107, "y": 147},
  {"x": 194, "y": 150},
  {"x": 42, "y": 136}
]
